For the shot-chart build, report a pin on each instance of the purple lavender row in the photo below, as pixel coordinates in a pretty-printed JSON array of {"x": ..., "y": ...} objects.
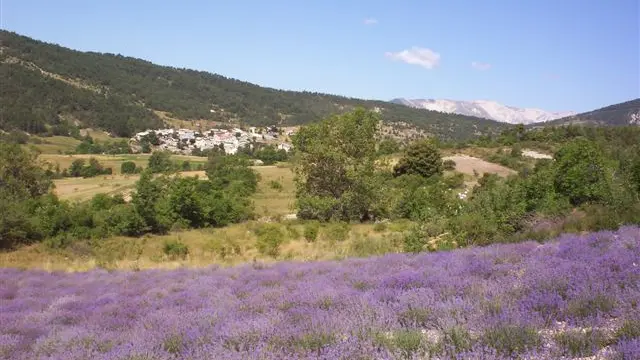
[{"x": 575, "y": 297}]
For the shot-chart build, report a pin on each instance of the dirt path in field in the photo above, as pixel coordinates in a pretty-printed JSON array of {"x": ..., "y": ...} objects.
[{"x": 467, "y": 164}]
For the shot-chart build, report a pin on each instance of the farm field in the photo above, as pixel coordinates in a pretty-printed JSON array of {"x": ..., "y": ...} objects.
[
  {"x": 114, "y": 161},
  {"x": 576, "y": 297},
  {"x": 80, "y": 189},
  {"x": 54, "y": 144},
  {"x": 270, "y": 200}
]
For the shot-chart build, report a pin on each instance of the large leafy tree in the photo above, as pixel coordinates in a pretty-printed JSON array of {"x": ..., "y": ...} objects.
[
  {"x": 22, "y": 183},
  {"x": 160, "y": 161},
  {"x": 335, "y": 167},
  {"x": 233, "y": 173},
  {"x": 581, "y": 172},
  {"x": 421, "y": 158}
]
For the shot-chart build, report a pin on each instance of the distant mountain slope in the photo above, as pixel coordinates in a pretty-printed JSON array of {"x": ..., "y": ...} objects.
[
  {"x": 485, "y": 109},
  {"x": 626, "y": 113},
  {"x": 47, "y": 85}
]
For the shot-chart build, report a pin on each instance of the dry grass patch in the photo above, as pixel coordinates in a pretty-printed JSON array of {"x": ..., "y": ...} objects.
[
  {"x": 272, "y": 199},
  {"x": 80, "y": 189},
  {"x": 53, "y": 144},
  {"x": 228, "y": 246}
]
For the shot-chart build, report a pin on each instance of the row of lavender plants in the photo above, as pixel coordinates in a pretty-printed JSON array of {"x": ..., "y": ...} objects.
[{"x": 574, "y": 297}]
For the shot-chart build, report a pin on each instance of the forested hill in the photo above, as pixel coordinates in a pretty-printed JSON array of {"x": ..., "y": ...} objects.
[
  {"x": 46, "y": 86},
  {"x": 623, "y": 114}
]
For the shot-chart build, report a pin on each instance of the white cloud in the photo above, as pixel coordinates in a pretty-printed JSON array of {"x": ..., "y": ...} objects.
[
  {"x": 370, "y": 21},
  {"x": 480, "y": 66},
  {"x": 424, "y": 57}
]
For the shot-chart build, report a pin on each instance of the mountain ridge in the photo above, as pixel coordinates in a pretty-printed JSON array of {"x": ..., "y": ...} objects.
[
  {"x": 486, "y": 109},
  {"x": 622, "y": 114},
  {"x": 46, "y": 84}
]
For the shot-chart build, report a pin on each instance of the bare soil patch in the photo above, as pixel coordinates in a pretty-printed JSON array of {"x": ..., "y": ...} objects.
[{"x": 467, "y": 164}]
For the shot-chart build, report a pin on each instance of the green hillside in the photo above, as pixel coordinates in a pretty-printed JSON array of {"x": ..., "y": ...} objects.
[
  {"x": 623, "y": 114},
  {"x": 47, "y": 87}
]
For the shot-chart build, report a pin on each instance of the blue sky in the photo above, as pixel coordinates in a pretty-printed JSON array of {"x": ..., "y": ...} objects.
[{"x": 551, "y": 54}]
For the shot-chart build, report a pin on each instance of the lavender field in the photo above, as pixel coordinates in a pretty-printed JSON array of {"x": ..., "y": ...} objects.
[{"x": 577, "y": 297}]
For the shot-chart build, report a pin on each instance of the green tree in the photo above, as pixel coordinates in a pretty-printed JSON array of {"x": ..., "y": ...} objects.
[
  {"x": 22, "y": 183},
  {"x": 77, "y": 167},
  {"x": 581, "y": 172},
  {"x": 159, "y": 162},
  {"x": 94, "y": 168},
  {"x": 635, "y": 173},
  {"x": 148, "y": 193},
  {"x": 388, "y": 146},
  {"x": 186, "y": 165},
  {"x": 128, "y": 167},
  {"x": 421, "y": 158},
  {"x": 232, "y": 172},
  {"x": 21, "y": 174},
  {"x": 335, "y": 167}
]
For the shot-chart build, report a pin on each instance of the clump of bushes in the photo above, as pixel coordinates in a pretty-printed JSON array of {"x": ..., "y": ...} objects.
[
  {"x": 32, "y": 213},
  {"x": 175, "y": 249},
  {"x": 311, "y": 230},
  {"x": 380, "y": 227},
  {"x": 338, "y": 231},
  {"x": 449, "y": 165},
  {"x": 128, "y": 167},
  {"x": 269, "y": 239},
  {"x": 79, "y": 168}
]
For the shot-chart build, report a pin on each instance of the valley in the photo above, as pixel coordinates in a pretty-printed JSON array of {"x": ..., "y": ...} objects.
[{"x": 154, "y": 212}]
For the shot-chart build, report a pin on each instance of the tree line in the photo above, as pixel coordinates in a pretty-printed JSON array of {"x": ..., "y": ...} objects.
[
  {"x": 340, "y": 176},
  {"x": 162, "y": 201}
]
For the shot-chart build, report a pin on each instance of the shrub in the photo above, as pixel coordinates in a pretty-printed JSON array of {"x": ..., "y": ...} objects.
[
  {"x": 175, "y": 249},
  {"x": 421, "y": 158},
  {"x": 578, "y": 343},
  {"x": 582, "y": 174},
  {"x": 380, "y": 227},
  {"x": 409, "y": 342},
  {"x": 337, "y": 231},
  {"x": 185, "y": 166},
  {"x": 270, "y": 237},
  {"x": 511, "y": 339},
  {"x": 457, "y": 339},
  {"x": 454, "y": 181},
  {"x": 630, "y": 329},
  {"x": 311, "y": 230},
  {"x": 590, "y": 306},
  {"x": 224, "y": 247},
  {"x": 370, "y": 246},
  {"x": 449, "y": 165},
  {"x": 160, "y": 161},
  {"x": 516, "y": 151},
  {"x": 58, "y": 242},
  {"x": 128, "y": 167},
  {"x": 275, "y": 185},
  {"x": 293, "y": 231},
  {"x": 123, "y": 219},
  {"x": 415, "y": 240}
]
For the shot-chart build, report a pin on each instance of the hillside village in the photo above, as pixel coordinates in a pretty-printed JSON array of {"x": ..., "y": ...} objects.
[{"x": 185, "y": 141}]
